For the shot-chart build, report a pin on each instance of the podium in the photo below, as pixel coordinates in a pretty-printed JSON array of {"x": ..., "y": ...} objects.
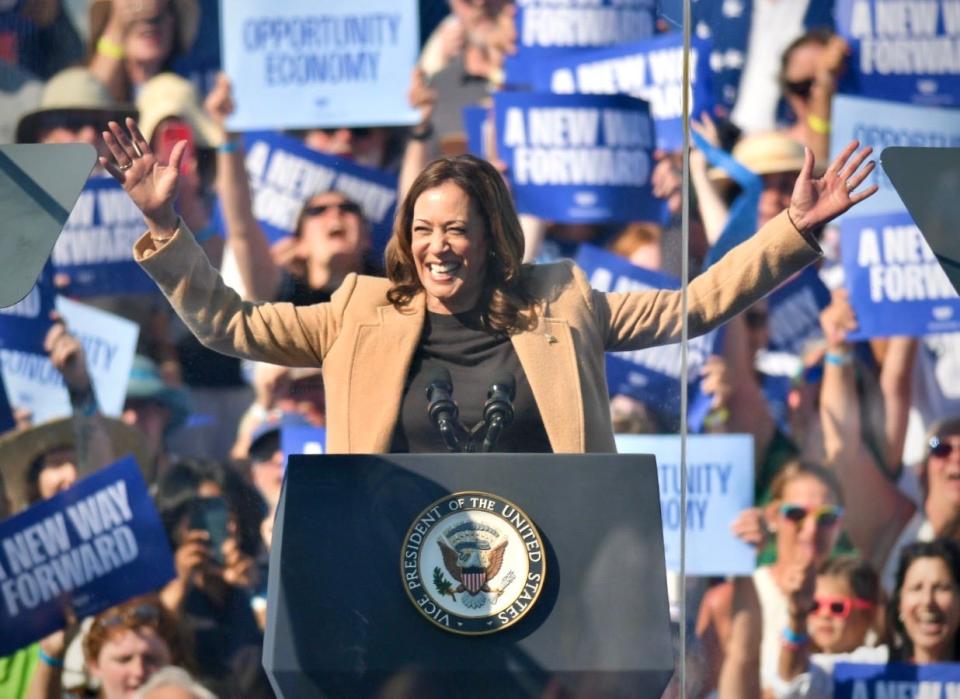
[{"x": 351, "y": 615}]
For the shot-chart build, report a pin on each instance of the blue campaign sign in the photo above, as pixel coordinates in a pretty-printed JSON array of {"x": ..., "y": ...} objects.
[
  {"x": 903, "y": 51},
  {"x": 794, "y": 312},
  {"x": 24, "y": 324},
  {"x": 578, "y": 158},
  {"x": 881, "y": 124},
  {"x": 473, "y": 120},
  {"x": 719, "y": 487},
  {"x": 651, "y": 375},
  {"x": 284, "y": 173},
  {"x": 879, "y": 680},
  {"x": 95, "y": 249},
  {"x": 6, "y": 413},
  {"x": 650, "y": 70},
  {"x": 322, "y": 63},
  {"x": 896, "y": 285},
  {"x": 302, "y": 439},
  {"x": 547, "y": 29},
  {"x": 93, "y": 546}
]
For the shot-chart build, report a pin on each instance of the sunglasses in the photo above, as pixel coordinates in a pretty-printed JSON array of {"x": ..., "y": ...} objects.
[
  {"x": 800, "y": 88},
  {"x": 356, "y": 132},
  {"x": 825, "y": 515},
  {"x": 828, "y": 605},
  {"x": 941, "y": 448},
  {"x": 141, "y": 615},
  {"x": 345, "y": 207}
]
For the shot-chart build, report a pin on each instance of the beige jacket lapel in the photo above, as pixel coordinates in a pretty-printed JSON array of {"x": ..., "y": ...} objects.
[
  {"x": 381, "y": 362},
  {"x": 548, "y": 358}
]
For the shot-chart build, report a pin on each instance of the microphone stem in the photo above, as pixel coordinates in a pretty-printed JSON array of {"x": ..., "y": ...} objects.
[
  {"x": 448, "y": 433},
  {"x": 493, "y": 434}
]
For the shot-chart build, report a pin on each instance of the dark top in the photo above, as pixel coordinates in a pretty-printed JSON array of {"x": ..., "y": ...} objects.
[{"x": 474, "y": 358}]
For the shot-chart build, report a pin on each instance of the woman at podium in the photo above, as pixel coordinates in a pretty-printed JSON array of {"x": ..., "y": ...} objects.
[{"x": 458, "y": 297}]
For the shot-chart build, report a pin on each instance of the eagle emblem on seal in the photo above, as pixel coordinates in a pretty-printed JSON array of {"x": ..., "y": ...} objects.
[{"x": 473, "y": 555}]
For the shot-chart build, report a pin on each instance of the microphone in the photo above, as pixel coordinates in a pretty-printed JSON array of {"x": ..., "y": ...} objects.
[
  {"x": 498, "y": 410},
  {"x": 441, "y": 408}
]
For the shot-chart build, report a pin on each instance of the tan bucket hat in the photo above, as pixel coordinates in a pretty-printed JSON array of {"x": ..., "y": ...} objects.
[
  {"x": 169, "y": 95},
  {"x": 765, "y": 154},
  {"x": 187, "y": 13},
  {"x": 77, "y": 92},
  {"x": 20, "y": 448}
]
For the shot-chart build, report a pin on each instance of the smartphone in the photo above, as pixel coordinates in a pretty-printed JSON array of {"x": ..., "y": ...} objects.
[
  {"x": 167, "y": 136},
  {"x": 211, "y": 515}
]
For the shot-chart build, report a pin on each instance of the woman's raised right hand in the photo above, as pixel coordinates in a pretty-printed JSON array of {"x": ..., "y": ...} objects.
[{"x": 151, "y": 186}]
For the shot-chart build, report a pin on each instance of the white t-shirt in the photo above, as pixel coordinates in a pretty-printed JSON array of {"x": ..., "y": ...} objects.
[
  {"x": 773, "y": 26},
  {"x": 775, "y": 613}
]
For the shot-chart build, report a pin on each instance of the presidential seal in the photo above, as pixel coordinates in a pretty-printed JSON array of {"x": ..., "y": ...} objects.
[{"x": 473, "y": 563}]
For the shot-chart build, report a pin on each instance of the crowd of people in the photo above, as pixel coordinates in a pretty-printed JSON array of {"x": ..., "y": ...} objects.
[{"x": 857, "y": 459}]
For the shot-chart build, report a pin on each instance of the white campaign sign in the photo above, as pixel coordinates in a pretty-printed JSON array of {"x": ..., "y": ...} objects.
[
  {"x": 109, "y": 342},
  {"x": 317, "y": 63}
]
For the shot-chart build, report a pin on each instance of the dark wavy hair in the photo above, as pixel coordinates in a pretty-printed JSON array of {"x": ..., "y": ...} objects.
[
  {"x": 505, "y": 304},
  {"x": 948, "y": 551}
]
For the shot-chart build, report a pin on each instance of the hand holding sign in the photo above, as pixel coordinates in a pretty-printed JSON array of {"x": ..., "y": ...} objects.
[
  {"x": 151, "y": 186},
  {"x": 815, "y": 202},
  {"x": 66, "y": 355},
  {"x": 837, "y": 320}
]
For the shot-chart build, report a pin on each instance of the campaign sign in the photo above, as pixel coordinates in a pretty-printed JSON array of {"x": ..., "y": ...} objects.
[
  {"x": 95, "y": 249},
  {"x": 578, "y": 158},
  {"x": 650, "y": 375},
  {"x": 24, "y": 324},
  {"x": 794, "y": 312},
  {"x": 881, "y": 124},
  {"x": 323, "y": 63},
  {"x": 6, "y": 412},
  {"x": 302, "y": 439},
  {"x": 905, "y": 51},
  {"x": 109, "y": 343},
  {"x": 896, "y": 285},
  {"x": 719, "y": 487},
  {"x": 547, "y": 29},
  {"x": 651, "y": 70},
  {"x": 880, "y": 680},
  {"x": 93, "y": 546},
  {"x": 284, "y": 173},
  {"x": 474, "y": 118}
]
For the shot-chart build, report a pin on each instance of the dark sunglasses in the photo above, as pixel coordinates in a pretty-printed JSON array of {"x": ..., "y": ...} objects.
[
  {"x": 826, "y": 515},
  {"x": 356, "y": 132},
  {"x": 940, "y": 448},
  {"x": 345, "y": 207},
  {"x": 142, "y": 614},
  {"x": 828, "y": 605},
  {"x": 800, "y": 88}
]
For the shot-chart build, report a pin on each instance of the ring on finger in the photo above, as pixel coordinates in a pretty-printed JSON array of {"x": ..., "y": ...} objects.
[{"x": 124, "y": 166}]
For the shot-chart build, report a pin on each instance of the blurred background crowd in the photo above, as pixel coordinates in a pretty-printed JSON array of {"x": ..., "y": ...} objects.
[{"x": 857, "y": 445}]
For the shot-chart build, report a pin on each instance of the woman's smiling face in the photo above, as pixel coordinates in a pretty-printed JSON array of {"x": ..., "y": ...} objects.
[
  {"x": 930, "y": 609},
  {"x": 449, "y": 247}
]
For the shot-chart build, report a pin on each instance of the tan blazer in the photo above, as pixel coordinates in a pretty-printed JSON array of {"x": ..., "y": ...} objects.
[{"x": 366, "y": 346}]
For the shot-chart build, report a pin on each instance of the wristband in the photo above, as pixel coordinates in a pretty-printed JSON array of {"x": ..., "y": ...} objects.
[
  {"x": 83, "y": 402},
  {"x": 423, "y": 135},
  {"x": 49, "y": 659},
  {"x": 838, "y": 358},
  {"x": 793, "y": 638},
  {"x": 228, "y": 147},
  {"x": 110, "y": 48},
  {"x": 818, "y": 125}
]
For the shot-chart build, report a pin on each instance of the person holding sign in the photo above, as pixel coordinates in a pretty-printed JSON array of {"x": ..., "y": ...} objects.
[
  {"x": 923, "y": 618},
  {"x": 455, "y": 276}
]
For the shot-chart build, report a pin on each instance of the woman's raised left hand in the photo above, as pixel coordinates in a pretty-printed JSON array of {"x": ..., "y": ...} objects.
[{"x": 818, "y": 201}]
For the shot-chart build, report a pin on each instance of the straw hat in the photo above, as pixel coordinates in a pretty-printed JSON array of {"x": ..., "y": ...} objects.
[
  {"x": 765, "y": 154},
  {"x": 169, "y": 95},
  {"x": 20, "y": 448},
  {"x": 187, "y": 14},
  {"x": 77, "y": 92}
]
